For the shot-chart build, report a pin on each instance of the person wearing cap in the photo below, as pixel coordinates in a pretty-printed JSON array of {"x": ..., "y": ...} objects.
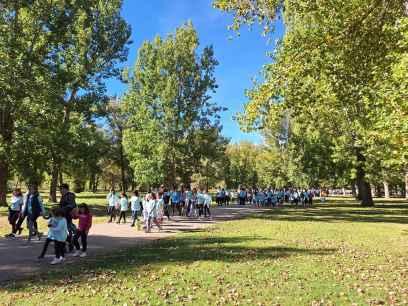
[{"x": 67, "y": 204}]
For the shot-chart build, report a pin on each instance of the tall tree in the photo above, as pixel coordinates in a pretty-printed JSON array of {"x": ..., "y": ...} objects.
[
  {"x": 117, "y": 120},
  {"x": 58, "y": 50},
  {"x": 242, "y": 159},
  {"x": 170, "y": 108},
  {"x": 331, "y": 64}
]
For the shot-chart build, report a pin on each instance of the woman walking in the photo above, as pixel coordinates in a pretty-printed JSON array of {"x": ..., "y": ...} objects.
[
  {"x": 123, "y": 206},
  {"x": 15, "y": 211}
]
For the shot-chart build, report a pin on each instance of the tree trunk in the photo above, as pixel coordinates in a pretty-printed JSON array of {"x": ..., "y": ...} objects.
[
  {"x": 122, "y": 163},
  {"x": 92, "y": 182},
  {"x": 386, "y": 190},
  {"x": 6, "y": 135},
  {"x": 353, "y": 190},
  {"x": 4, "y": 172},
  {"x": 406, "y": 184},
  {"x": 54, "y": 182},
  {"x": 95, "y": 186},
  {"x": 61, "y": 177},
  {"x": 363, "y": 186}
]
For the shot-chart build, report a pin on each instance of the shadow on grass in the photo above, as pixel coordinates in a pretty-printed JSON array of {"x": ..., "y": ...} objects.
[
  {"x": 341, "y": 212},
  {"x": 176, "y": 250}
]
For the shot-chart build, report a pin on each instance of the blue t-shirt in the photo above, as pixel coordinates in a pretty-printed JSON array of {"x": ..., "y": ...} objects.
[
  {"x": 59, "y": 229},
  {"x": 175, "y": 197},
  {"x": 200, "y": 198},
  {"x": 124, "y": 204},
  {"x": 135, "y": 203},
  {"x": 16, "y": 203},
  {"x": 189, "y": 195}
]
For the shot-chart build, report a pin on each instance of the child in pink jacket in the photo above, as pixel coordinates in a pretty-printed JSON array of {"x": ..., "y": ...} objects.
[{"x": 84, "y": 224}]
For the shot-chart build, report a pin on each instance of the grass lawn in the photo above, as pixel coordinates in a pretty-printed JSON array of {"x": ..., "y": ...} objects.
[{"x": 334, "y": 254}]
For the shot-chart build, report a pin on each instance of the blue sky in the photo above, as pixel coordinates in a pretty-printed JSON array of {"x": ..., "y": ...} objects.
[{"x": 241, "y": 58}]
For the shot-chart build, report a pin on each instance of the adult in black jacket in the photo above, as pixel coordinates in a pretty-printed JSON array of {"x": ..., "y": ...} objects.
[{"x": 68, "y": 204}]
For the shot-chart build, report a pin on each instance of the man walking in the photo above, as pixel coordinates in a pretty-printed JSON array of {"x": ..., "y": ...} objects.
[{"x": 67, "y": 204}]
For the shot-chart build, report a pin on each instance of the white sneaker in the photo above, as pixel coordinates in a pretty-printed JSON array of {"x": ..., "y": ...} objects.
[
  {"x": 83, "y": 254},
  {"x": 76, "y": 254},
  {"x": 56, "y": 261}
]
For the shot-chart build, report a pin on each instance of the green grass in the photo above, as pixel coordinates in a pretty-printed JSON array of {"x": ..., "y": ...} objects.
[{"x": 334, "y": 254}]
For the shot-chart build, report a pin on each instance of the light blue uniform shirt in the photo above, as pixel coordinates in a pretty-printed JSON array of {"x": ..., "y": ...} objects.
[
  {"x": 175, "y": 197},
  {"x": 112, "y": 199},
  {"x": 124, "y": 204},
  {"x": 135, "y": 203},
  {"x": 200, "y": 198},
  {"x": 59, "y": 229},
  {"x": 207, "y": 200},
  {"x": 16, "y": 203},
  {"x": 189, "y": 195}
]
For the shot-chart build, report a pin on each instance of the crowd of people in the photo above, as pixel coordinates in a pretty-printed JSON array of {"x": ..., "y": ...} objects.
[
  {"x": 60, "y": 220},
  {"x": 152, "y": 208},
  {"x": 155, "y": 205},
  {"x": 268, "y": 197}
]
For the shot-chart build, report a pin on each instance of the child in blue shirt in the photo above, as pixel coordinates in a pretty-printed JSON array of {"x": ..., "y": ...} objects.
[
  {"x": 207, "y": 204},
  {"x": 57, "y": 232},
  {"x": 175, "y": 200},
  {"x": 135, "y": 207},
  {"x": 123, "y": 206}
]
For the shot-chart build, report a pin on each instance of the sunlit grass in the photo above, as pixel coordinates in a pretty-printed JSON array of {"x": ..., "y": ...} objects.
[{"x": 336, "y": 253}]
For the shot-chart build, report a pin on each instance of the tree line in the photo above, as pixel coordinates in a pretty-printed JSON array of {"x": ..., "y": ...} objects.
[
  {"x": 332, "y": 104},
  {"x": 57, "y": 122},
  {"x": 335, "y": 94}
]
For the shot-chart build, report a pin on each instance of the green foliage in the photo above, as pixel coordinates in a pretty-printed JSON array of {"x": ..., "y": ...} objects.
[
  {"x": 241, "y": 167},
  {"x": 171, "y": 117},
  {"x": 54, "y": 57},
  {"x": 332, "y": 74}
]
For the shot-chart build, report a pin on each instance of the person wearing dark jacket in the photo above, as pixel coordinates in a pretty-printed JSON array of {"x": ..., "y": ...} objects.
[
  {"x": 32, "y": 209},
  {"x": 68, "y": 204}
]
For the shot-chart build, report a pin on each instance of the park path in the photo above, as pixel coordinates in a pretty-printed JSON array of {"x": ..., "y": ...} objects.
[{"x": 18, "y": 258}]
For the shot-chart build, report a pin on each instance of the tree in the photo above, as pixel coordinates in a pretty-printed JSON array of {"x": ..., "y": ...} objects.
[
  {"x": 117, "y": 120},
  {"x": 59, "y": 53},
  {"x": 331, "y": 63},
  {"x": 242, "y": 170},
  {"x": 25, "y": 45},
  {"x": 170, "y": 108}
]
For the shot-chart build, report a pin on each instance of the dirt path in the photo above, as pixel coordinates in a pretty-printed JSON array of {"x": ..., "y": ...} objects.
[{"x": 18, "y": 258}]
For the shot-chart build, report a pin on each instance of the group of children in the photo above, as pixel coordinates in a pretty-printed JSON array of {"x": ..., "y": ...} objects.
[
  {"x": 153, "y": 207},
  {"x": 157, "y": 204},
  {"x": 30, "y": 207},
  {"x": 276, "y": 198},
  {"x": 58, "y": 232},
  {"x": 223, "y": 197}
]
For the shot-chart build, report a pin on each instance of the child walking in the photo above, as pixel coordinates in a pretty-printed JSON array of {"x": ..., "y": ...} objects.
[
  {"x": 84, "y": 224},
  {"x": 112, "y": 199},
  {"x": 207, "y": 204},
  {"x": 135, "y": 207},
  {"x": 123, "y": 206},
  {"x": 200, "y": 203},
  {"x": 15, "y": 211},
  {"x": 150, "y": 212},
  {"x": 57, "y": 232}
]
